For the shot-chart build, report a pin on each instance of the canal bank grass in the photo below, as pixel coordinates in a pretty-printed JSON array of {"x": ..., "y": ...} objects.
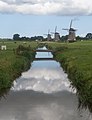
[
  {"x": 14, "y": 61},
  {"x": 76, "y": 59}
]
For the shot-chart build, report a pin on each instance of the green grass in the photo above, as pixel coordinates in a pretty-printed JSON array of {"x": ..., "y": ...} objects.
[
  {"x": 76, "y": 59},
  {"x": 14, "y": 44},
  {"x": 14, "y": 61}
]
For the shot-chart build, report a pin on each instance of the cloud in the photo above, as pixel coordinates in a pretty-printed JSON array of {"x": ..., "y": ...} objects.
[{"x": 44, "y": 7}]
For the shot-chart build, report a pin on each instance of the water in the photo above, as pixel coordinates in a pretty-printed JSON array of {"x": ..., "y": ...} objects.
[
  {"x": 44, "y": 76},
  {"x": 42, "y": 93}
]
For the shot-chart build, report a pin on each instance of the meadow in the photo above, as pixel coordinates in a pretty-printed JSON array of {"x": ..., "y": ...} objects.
[{"x": 76, "y": 60}]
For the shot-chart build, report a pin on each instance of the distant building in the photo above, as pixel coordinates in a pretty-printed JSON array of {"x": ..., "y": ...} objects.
[
  {"x": 71, "y": 33},
  {"x": 56, "y": 36},
  {"x": 3, "y": 47},
  {"x": 71, "y": 36},
  {"x": 49, "y": 37}
]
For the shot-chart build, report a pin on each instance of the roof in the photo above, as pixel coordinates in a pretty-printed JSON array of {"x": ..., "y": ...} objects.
[{"x": 72, "y": 29}]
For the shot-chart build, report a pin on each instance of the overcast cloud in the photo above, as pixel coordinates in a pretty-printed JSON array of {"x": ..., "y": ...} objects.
[{"x": 44, "y": 7}]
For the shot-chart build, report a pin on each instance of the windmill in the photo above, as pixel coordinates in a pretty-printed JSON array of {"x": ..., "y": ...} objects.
[
  {"x": 56, "y": 35},
  {"x": 48, "y": 36},
  {"x": 71, "y": 35}
]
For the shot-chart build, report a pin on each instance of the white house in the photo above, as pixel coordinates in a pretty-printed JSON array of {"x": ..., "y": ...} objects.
[{"x": 3, "y": 47}]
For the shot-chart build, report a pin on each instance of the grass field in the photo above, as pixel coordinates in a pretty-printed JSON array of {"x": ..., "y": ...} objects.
[
  {"x": 14, "y": 61},
  {"x": 14, "y": 44},
  {"x": 76, "y": 59}
]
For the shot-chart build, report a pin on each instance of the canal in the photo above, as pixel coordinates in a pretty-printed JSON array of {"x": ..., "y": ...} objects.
[{"x": 42, "y": 93}]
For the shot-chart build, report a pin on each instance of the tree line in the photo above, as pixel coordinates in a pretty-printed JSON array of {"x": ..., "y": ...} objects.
[
  {"x": 17, "y": 37},
  {"x": 62, "y": 38}
]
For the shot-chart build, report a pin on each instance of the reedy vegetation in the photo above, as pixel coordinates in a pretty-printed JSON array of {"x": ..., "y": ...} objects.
[
  {"x": 13, "y": 62},
  {"x": 76, "y": 59}
]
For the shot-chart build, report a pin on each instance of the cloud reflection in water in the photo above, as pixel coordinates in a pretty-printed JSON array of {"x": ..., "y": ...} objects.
[{"x": 44, "y": 76}]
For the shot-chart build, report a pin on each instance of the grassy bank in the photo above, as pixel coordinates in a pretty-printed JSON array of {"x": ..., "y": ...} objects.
[
  {"x": 76, "y": 59},
  {"x": 13, "y": 62}
]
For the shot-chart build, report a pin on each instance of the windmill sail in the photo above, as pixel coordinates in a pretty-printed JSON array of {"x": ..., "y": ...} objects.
[
  {"x": 71, "y": 23},
  {"x": 55, "y": 29},
  {"x": 65, "y": 29}
]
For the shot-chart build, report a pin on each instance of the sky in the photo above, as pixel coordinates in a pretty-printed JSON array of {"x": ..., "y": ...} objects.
[{"x": 35, "y": 17}]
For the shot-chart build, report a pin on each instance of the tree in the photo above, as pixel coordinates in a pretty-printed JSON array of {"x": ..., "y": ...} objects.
[
  {"x": 37, "y": 38},
  {"x": 64, "y": 38},
  {"x": 16, "y": 37},
  {"x": 89, "y": 36},
  {"x": 79, "y": 38}
]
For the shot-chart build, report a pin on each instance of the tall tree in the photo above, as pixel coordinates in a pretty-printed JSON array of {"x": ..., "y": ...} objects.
[
  {"x": 89, "y": 36},
  {"x": 16, "y": 37}
]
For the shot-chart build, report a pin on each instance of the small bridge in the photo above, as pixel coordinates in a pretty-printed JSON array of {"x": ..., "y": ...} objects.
[
  {"x": 43, "y": 50},
  {"x": 43, "y": 59}
]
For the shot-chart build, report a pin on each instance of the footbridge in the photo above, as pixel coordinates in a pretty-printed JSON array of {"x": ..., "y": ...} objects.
[
  {"x": 44, "y": 58},
  {"x": 41, "y": 50}
]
